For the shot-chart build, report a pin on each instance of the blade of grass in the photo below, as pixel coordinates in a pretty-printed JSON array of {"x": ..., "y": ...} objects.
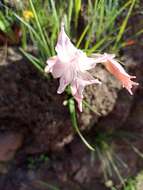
[
  {"x": 30, "y": 28},
  {"x": 115, "y": 167},
  {"x": 77, "y": 11},
  {"x": 103, "y": 163},
  {"x": 47, "y": 185},
  {"x": 108, "y": 22},
  {"x": 70, "y": 12},
  {"x": 139, "y": 32},
  {"x": 82, "y": 35},
  {"x": 53, "y": 40},
  {"x": 89, "y": 7},
  {"x": 123, "y": 26},
  {"x": 137, "y": 151},
  {"x": 92, "y": 14},
  {"x": 113, "y": 188},
  {"x": 121, "y": 161},
  {"x": 57, "y": 24},
  {"x": 96, "y": 46},
  {"x": 24, "y": 37},
  {"x": 32, "y": 60},
  {"x": 104, "y": 148},
  {"x": 38, "y": 25},
  {"x": 114, "y": 16},
  {"x": 101, "y": 20}
]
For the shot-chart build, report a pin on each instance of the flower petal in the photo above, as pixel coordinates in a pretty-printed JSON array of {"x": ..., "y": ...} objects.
[
  {"x": 78, "y": 85},
  {"x": 101, "y": 58},
  {"x": 83, "y": 62},
  {"x": 79, "y": 98},
  {"x": 50, "y": 63},
  {"x": 55, "y": 66},
  {"x": 65, "y": 79},
  {"x": 63, "y": 85},
  {"x": 58, "y": 69},
  {"x": 76, "y": 94},
  {"x": 118, "y": 71},
  {"x": 64, "y": 48},
  {"x": 86, "y": 78}
]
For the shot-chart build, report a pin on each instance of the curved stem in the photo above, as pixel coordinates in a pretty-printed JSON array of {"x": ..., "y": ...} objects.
[{"x": 75, "y": 125}]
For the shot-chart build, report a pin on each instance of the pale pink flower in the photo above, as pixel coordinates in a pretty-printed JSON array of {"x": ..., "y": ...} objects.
[
  {"x": 112, "y": 65},
  {"x": 71, "y": 65}
]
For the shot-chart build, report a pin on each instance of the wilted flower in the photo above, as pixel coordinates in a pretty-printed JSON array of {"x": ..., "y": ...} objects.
[
  {"x": 71, "y": 65},
  {"x": 112, "y": 65}
]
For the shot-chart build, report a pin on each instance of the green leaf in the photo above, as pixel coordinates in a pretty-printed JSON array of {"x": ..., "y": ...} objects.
[{"x": 33, "y": 60}]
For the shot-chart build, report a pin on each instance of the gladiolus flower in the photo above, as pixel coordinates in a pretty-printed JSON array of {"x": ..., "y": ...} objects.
[{"x": 71, "y": 65}]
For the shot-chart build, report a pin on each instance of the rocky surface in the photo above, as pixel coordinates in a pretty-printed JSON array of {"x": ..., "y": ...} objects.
[{"x": 30, "y": 107}]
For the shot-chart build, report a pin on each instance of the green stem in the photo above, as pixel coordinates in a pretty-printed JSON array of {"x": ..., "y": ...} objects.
[{"x": 75, "y": 125}]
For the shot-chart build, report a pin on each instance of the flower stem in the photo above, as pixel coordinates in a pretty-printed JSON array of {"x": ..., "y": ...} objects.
[{"x": 74, "y": 122}]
